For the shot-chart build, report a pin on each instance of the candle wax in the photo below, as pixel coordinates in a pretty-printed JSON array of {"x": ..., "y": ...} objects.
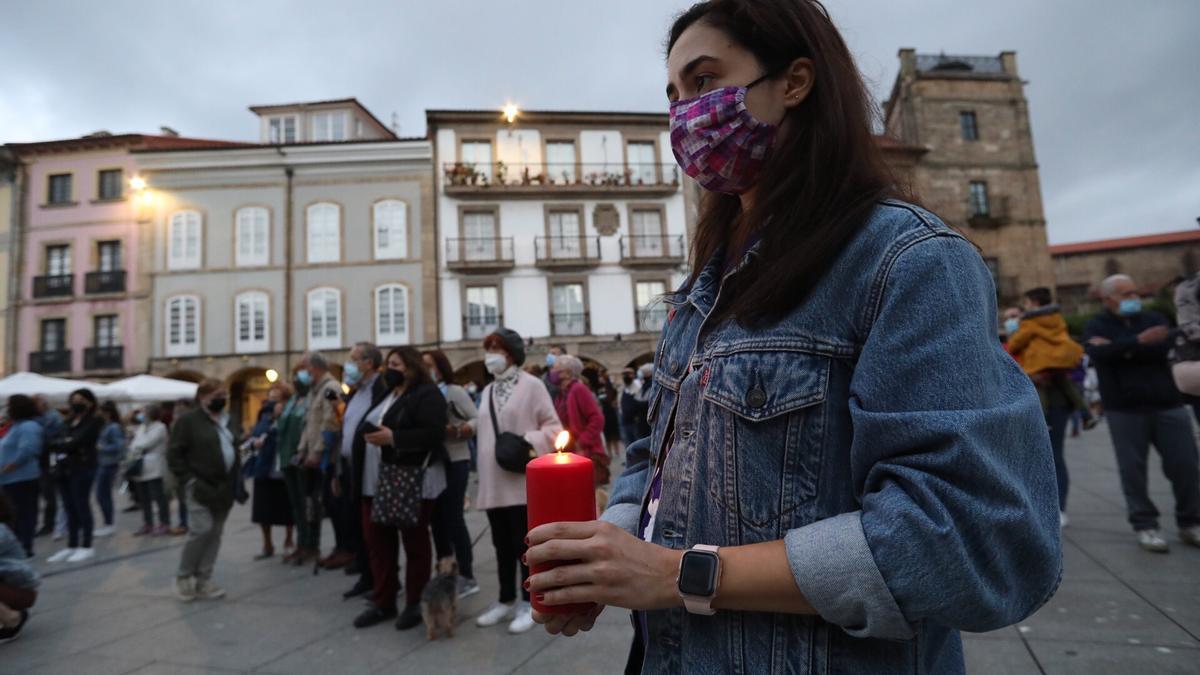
[{"x": 560, "y": 488}]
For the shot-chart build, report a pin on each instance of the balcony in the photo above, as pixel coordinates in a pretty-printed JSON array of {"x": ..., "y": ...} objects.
[
  {"x": 567, "y": 251},
  {"x": 651, "y": 319},
  {"x": 569, "y": 324},
  {"x": 995, "y": 214},
  {"x": 104, "y": 358},
  {"x": 50, "y": 362},
  {"x": 654, "y": 249},
  {"x": 54, "y": 286},
  {"x": 479, "y": 254},
  {"x": 467, "y": 179},
  {"x": 112, "y": 281},
  {"x": 479, "y": 327}
]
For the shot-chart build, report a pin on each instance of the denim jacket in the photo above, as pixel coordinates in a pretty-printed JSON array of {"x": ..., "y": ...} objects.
[{"x": 879, "y": 430}]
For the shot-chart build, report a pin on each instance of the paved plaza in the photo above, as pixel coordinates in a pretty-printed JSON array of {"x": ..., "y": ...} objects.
[{"x": 1119, "y": 610}]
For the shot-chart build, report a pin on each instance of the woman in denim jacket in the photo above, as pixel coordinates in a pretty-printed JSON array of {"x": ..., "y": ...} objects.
[{"x": 834, "y": 424}]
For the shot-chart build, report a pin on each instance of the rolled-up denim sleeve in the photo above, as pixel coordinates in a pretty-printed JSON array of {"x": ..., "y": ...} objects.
[
  {"x": 625, "y": 503},
  {"x": 950, "y": 461}
]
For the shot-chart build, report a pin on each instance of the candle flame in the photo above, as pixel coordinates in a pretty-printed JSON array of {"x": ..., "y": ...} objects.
[{"x": 562, "y": 440}]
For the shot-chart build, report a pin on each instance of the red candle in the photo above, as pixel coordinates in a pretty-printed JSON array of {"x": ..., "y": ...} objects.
[{"x": 560, "y": 488}]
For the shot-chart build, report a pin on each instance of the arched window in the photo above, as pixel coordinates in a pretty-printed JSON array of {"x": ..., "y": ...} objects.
[
  {"x": 252, "y": 224},
  {"x": 391, "y": 229},
  {"x": 324, "y": 318},
  {"x": 183, "y": 326},
  {"x": 183, "y": 240},
  {"x": 251, "y": 322},
  {"x": 324, "y": 232},
  {"x": 391, "y": 315}
]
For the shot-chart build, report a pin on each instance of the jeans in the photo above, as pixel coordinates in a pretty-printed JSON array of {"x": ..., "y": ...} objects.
[
  {"x": 1170, "y": 431},
  {"x": 509, "y": 525},
  {"x": 24, "y": 497},
  {"x": 150, "y": 492},
  {"x": 105, "y": 476},
  {"x": 204, "y": 540},
  {"x": 450, "y": 534},
  {"x": 1056, "y": 419},
  {"x": 76, "y": 490},
  {"x": 48, "y": 488}
]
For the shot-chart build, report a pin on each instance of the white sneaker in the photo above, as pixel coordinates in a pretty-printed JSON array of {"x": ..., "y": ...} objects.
[
  {"x": 1151, "y": 540},
  {"x": 1063, "y": 520},
  {"x": 207, "y": 590},
  {"x": 61, "y": 555},
  {"x": 495, "y": 614},
  {"x": 105, "y": 531},
  {"x": 82, "y": 554},
  {"x": 523, "y": 622},
  {"x": 1190, "y": 535},
  {"x": 185, "y": 588}
]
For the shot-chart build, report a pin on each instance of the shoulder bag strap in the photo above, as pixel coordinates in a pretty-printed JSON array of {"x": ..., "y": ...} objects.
[{"x": 492, "y": 408}]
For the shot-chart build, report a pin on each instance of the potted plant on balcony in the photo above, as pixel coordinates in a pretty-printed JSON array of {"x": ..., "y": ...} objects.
[
  {"x": 501, "y": 173},
  {"x": 628, "y": 176}
]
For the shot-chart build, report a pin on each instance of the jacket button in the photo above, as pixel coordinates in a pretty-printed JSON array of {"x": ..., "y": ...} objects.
[{"x": 756, "y": 398}]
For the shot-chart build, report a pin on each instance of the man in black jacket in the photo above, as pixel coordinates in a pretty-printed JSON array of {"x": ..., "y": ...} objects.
[
  {"x": 1129, "y": 348},
  {"x": 369, "y": 390}
]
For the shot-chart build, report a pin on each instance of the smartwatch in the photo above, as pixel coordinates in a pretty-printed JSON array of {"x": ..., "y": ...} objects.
[{"x": 699, "y": 572}]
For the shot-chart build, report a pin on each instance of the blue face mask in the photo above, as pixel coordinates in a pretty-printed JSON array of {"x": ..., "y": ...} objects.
[
  {"x": 1130, "y": 306},
  {"x": 550, "y": 360},
  {"x": 304, "y": 377},
  {"x": 1011, "y": 325},
  {"x": 350, "y": 373}
]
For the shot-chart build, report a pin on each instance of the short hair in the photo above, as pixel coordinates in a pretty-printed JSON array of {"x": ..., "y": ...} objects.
[
  {"x": 412, "y": 363},
  {"x": 571, "y": 364},
  {"x": 1106, "y": 286},
  {"x": 86, "y": 394},
  {"x": 561, "y": 349},
  {"x": 315, "y": 360},
  {"x": 371, "y": 353},
  {"x": 208, "y": 386},
  {"x": 442, "y": 363},
  {"x": 21, "y": 407},
  {"x": 1039, "y": 296}
]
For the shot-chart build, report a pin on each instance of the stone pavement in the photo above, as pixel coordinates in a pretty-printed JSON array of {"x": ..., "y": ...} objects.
[{"x": 1119, "y": 610}]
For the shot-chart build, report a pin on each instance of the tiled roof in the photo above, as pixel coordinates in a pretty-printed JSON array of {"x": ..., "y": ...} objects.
[
  {"x": 1126, "y": 242},
  {"x": 99, "y": 142}
]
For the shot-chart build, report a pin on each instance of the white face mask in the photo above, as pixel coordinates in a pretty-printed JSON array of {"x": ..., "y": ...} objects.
[{"x": 495, "y": 363}]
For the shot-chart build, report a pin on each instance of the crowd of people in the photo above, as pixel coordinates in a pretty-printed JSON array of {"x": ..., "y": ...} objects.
[{"x": 385, "y": 455}]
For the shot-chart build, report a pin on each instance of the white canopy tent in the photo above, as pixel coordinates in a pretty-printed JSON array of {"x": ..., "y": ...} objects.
[
  {"x": 147, "y": 388},
  {"x": 55, "y": 389}
]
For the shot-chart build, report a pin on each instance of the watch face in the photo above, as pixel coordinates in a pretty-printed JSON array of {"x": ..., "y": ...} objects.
[{"x": 698, "y": 573}]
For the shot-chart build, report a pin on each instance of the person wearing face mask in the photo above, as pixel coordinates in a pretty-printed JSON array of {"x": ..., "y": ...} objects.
[
  {"x": 203, "y": 457},
  {"x": 830, "y": 483},
  {"x": 361, "y": 372},
  {"x": 642, "y": 401},
  {"x": 627, "y": 407},
  {"x": 1129, "y": 345},
  {"x": 149, "y": 446},
  {"x": 269, "y": 505},
  {"x": 406, "y": 429},
  {"x": 521, "y": 406},
  {"x": 552, "y": 355},
  {"x": 74, "y": 458},
  {"x": 580, "y": 414},
  {"x": 288, "y": 428},
  {"x": 318, "y": 447}
]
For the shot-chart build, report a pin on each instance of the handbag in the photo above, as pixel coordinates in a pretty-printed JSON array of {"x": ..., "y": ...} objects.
[
  {"x": 397, "y": 501},
  {"x": 134, "y": 470},
  {"x": 512, "y": 451}
]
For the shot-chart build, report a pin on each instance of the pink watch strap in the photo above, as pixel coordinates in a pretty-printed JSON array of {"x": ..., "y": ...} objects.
[{"x": 696, "y": 604}]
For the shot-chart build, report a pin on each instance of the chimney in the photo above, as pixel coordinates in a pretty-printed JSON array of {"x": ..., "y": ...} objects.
[
  {"x": 168, "y": 131},
  {"x": 1009, "y": 59},
  {"x": 908, "y": 61}
]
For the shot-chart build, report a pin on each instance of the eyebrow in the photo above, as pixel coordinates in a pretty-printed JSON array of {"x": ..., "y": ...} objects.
[{"x": 689, "y": 68}]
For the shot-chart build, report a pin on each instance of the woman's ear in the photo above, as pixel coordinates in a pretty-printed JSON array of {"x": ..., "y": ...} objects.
[{"x": 800, "y": 77}]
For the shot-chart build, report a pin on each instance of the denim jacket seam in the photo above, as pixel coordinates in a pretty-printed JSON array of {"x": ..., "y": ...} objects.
[{"x": 903, "y": 244}]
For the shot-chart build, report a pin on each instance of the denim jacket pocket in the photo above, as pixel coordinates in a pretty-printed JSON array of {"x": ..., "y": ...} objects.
[{"x": 768, "y": 429}]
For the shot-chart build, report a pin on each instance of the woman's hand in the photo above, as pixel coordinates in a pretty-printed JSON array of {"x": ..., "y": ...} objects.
[
  {"x": 608, "y": 566},
  {"x": 382, "y": 437},
  {"x": 568, "y": 624}
]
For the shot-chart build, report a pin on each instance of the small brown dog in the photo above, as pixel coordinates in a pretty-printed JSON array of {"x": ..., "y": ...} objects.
[{"x": 439, "y": 600}]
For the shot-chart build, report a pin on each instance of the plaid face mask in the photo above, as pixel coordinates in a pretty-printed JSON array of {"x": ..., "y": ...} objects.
[{"x": 718, "y": 142}]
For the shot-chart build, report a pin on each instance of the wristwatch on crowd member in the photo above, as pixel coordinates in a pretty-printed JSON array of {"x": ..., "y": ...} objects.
[{"x": 699, "y": 573}]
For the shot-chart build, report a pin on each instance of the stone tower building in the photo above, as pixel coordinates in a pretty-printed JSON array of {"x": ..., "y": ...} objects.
[{"x": 976, "y": 169}]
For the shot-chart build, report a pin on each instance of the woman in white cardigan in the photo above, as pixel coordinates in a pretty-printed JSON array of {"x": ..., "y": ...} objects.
[
  {"x": 523, "y": 407},
  {"x": 150, "y": 446}
]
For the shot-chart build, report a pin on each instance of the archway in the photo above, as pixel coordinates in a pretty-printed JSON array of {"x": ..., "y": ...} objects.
[
  {"x": 640, "y": 360},
  {"x": 473, "y": 371},
  {"x": 186, "y": 376},
  {"x": 247, "y": 391}
]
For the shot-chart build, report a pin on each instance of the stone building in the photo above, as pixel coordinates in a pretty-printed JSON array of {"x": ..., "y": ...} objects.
[
  {"x": 8, "y": 270},
  {"x": 1153, "y": 261},
  {"x": 964, "y": 142}
]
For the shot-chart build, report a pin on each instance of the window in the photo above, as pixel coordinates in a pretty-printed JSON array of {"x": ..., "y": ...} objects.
[
  {"x": 391, "y": 229},
  {"x": 970, "y": 129},
  {"x": 183, "y": 326},
  {"x": 329, "y": 126},
  {"x": 109, "y": 184},
  {"x": 324, "y": 318},
  {"x": 59, "y": 189},
  {"x": 979, "y": 198},
  {"x": 642, "y": 163},
  {"x": 324, "y": 236},
  {"x": 109, "y": 254},
  {"x": 483, "y": 311},
  {"x": 54, "y": 332},
  {"x": 251, "y": 322},
  {"x": 252, "y": 236},
  {"x": 560, "y": 162},
  {"x": 651, "y": 313},
  {"x": 58, "y": 260},
  {"x": 479, "y": 235},
  {"x": 105, "y": 331},
  {"x": 183, "y": 241},
  {"x": 569, "y": 316},
  {"x": 646, "y": 226},
  {"x": 282, "y": 130},
  {"x": 565, "y": 235},
  {"x": 391, "y": 315},
  {"x": 478, "y": 153}
]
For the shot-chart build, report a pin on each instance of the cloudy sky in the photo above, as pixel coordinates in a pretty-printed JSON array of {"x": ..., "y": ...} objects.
[{"x": 1113, "y": 89}]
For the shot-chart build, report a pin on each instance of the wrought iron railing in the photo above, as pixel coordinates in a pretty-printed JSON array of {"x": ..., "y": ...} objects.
[
  {"x": 57, "y": 361},
  {"x": 652, "y": 248},
  {"x": 111, "y": 281},
  {"x": 574, "y": 323},
  {"x": 479, "y": 252},
  {"x": 53, "y": 285},
  {"x": 562, "y": 175},
  {"x": 103, "y": 358},
  {"x": 550, "y": 251}
]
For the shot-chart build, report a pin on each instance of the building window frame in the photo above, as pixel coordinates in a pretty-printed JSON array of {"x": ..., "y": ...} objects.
[
  {"x": 104, "y": 178},
  {"x": 980, "y": 200},
  {"x": 555, "y": 174},
  {"x": 318, "y": 248},
  {"x": 479, "y": 253},
  {"x": 56, "y": 260},
  {"x": 556, "y": 281},
  {"x": 278, "y": 132},
  {"x": 968, "y": 124},
  {"x": 56, "y": 193},
  {"x": 327, "y": 339},
  {"x": 637, "y": 279},
  {"x": 560, "y": 250},
  {"x": 323, "y": 128},
  {"x": 393, "y": 246},
  {"x": 391, "y": 338},
  {"x": 246, "y": 221},
  {"x": 486, "y": 169},
  {"x": 176, "y": 336},
  {"x": 255, "y": 320},
  {"x": 495, "y": 283},
  {"x": 649, "y": 175},
  {"x": 185, "y": 251},
  {"x": 106, "y": 335}
]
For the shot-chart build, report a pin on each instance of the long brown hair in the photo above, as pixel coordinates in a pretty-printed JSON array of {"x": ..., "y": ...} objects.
[
  {"x": 417, "y": 374},
  {"x": 822, "y": 179}
]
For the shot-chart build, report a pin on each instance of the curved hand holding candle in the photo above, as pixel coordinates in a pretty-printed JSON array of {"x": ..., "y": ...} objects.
[{"x": 559, "y": 487}]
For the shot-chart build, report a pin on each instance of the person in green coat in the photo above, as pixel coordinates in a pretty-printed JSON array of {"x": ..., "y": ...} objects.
[{"x": 290, "y": 425}]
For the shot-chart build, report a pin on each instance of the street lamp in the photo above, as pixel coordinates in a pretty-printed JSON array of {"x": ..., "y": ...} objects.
[
  {"x": 137, "y": 183},
  {"x": 272, "y": 375},
  {"x": 510, "y": 112}
]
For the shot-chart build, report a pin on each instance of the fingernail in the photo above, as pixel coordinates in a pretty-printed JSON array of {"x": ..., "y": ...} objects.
[
  {"x": 526, "y": 584},
  {"x": 526, "y": 541}
]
